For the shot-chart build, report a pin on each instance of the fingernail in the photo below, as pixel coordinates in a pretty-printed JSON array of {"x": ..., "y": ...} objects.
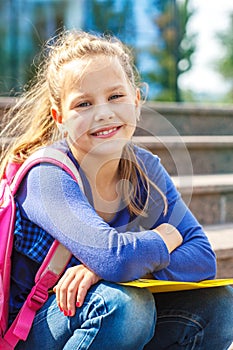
[
  {"x": 65, "y": 313},
  {"x": 69, "y": 312},
  {"x": 77, "y": 303},
  {"x": 60, "y": 309}
]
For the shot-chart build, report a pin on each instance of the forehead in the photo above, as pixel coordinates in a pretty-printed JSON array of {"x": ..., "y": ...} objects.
[{"x": 91, "y": 70}]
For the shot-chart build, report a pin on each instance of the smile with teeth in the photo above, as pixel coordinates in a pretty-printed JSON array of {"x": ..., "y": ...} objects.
[{"x": 106, "y": 131}]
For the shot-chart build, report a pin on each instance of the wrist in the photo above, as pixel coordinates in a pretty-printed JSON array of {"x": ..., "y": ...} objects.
[{"x": 170, "y": 235}]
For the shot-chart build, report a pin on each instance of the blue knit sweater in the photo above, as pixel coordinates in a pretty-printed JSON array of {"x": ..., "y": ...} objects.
[{"x": 121, "y": 250}]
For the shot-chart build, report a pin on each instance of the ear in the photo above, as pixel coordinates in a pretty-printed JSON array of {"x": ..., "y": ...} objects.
[
  {"x": 56, "y": 115},
  {"x": 137, "y": 103},
  {"x": 137, "y": 98}
]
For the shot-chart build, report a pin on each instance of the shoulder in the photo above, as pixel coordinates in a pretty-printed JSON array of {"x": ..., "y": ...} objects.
[
  {"x": 147, "y": 159},
  {"x": 60, "y": 145},
  {"x": 47, "y": 166},
  {"x": 56, "y": 155},
  {"x": 151, "y": 165}
]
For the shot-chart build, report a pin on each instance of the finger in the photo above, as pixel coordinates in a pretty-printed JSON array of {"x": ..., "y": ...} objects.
[
  {"x": 83, "y": 288},
  {"x": 72, "y": 291},
  {"x": 61, "y": 292}
]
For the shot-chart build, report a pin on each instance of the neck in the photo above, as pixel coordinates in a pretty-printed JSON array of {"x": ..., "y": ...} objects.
[{"x": 102, "y": 172}]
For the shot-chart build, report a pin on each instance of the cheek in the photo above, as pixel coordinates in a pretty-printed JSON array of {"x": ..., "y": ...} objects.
[
  {"x": 131, "y": 116},
  {"x": 127, "y": 111},
  {"x": 77, "y": 126}
]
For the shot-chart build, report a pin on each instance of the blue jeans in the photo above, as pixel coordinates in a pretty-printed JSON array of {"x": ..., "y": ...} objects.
[
  {"x": 115, "y": 317},
  {"x": 199, "y": 319}
]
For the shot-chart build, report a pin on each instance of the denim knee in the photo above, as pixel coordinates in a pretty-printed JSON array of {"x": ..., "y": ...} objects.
[
  {"x": 130, "y": 317},
  {"x": 176, "y": 330},
  {"x": 138, "y": 314},
  {"x": 112, "y": 317}
]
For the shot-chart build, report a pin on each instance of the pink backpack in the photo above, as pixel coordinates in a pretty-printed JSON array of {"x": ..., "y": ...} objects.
[{"x": 54, "y": 263}]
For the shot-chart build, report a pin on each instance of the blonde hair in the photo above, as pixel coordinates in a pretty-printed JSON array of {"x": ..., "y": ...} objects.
[{"x": 30, "y": 119}]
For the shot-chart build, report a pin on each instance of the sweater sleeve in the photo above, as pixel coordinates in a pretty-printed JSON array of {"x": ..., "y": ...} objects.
[
  {"x": 194, "y": 260},
  {"x": 51, "y": 199}
]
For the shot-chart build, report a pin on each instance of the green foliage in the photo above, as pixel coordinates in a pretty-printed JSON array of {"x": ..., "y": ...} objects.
[
  {"x": 24, "y": 28},
  {"x": 224, "y": 65},
  {"x": 174, "y": 51},
  {"x": 111, "y": 17},
  {"x": 172, "y": 54}
]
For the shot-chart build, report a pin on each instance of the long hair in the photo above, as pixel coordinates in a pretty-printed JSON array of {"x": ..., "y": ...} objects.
[{"x": 31, "y": 126}]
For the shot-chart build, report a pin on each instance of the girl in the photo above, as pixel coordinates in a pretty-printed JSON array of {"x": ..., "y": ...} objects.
[{"x": 129, "y": 223}]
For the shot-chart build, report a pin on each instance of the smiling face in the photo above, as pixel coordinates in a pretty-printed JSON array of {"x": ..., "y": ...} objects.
[{"x": 99, "y": 106}]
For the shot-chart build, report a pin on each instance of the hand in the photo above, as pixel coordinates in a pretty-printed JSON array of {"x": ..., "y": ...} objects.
[
  {"x": 171, "y": 236},
  {"x": 72, "y": 288}
]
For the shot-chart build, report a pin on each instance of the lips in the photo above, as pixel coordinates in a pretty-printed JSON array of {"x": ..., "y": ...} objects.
[{"x": 106, "y": 132}]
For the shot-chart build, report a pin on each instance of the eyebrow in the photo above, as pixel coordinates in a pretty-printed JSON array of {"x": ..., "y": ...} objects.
[
  {"x": 115, "y": 87},
  {"x": 85, "y": 95},
  {"x": 76, "y": 97},
  {"x": 80, "y": 95},
  {"x": 108, "y": 89}
]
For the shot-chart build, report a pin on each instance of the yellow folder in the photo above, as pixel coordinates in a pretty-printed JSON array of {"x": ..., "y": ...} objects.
[{"x": 158, "y": 286}]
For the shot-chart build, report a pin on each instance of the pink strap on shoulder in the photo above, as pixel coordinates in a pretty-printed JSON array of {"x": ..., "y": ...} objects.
[
  {"x": 54, "y": 263},
  {"x": 46, "y": 155}
]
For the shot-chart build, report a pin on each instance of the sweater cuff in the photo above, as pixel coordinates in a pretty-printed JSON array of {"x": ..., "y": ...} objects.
[{"x": 164, "y": 253}]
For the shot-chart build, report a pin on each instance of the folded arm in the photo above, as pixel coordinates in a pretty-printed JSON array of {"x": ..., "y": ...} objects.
[{"x": 50, "y": 198}]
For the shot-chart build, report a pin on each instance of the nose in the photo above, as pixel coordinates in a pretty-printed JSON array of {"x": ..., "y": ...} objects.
[{"x": 103, "y": 112}]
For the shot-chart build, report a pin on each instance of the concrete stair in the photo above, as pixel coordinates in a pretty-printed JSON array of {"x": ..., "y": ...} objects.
[
  {"x": 210, "y": 197},
  {"x": 220, "y": 237},
  {"x": 202, "y": 170},
  {"x": 185, "y": 119},
  {"x": 197, "y": 154}
]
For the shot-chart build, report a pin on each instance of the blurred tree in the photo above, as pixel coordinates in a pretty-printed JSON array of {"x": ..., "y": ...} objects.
[
  {"x": 111, "y": 17},
  {"x": 24, "y": 27},
  {"x": 8, "y": 62},
  {"x": 23, "y": 32},
  {"x": 48, "y": 20},
  {"x": 225, "y": 64},
  {"x": 173, "y": 52},
  {"x": 3, "y": 56}
]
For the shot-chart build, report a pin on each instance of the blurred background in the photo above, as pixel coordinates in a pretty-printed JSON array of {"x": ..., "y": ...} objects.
[{"x": 183, "y": 48}]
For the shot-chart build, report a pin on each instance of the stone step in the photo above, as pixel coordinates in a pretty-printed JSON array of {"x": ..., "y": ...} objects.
[
  {"x": 210, "y": 197},
  {"x": 184, "y": 155},
  {"x": 185, "y": 119},
  {"x": 221, "y": 240}
]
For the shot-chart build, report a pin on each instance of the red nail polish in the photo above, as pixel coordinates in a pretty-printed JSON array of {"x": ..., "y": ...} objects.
[
  {"x": 69, "y": 312},
  {"x": 65, "y": 313},
  {"x": 60, "y": 309},
  {"x": 77, "y": 303}
]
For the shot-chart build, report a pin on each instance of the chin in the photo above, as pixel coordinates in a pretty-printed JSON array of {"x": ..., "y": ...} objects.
[{"x": 113, "y": 147}]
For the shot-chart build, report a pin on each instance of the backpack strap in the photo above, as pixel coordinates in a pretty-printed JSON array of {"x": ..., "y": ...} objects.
[
  {"x": 56, "y": 260},
  {"x": 46, "y": 155}
]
